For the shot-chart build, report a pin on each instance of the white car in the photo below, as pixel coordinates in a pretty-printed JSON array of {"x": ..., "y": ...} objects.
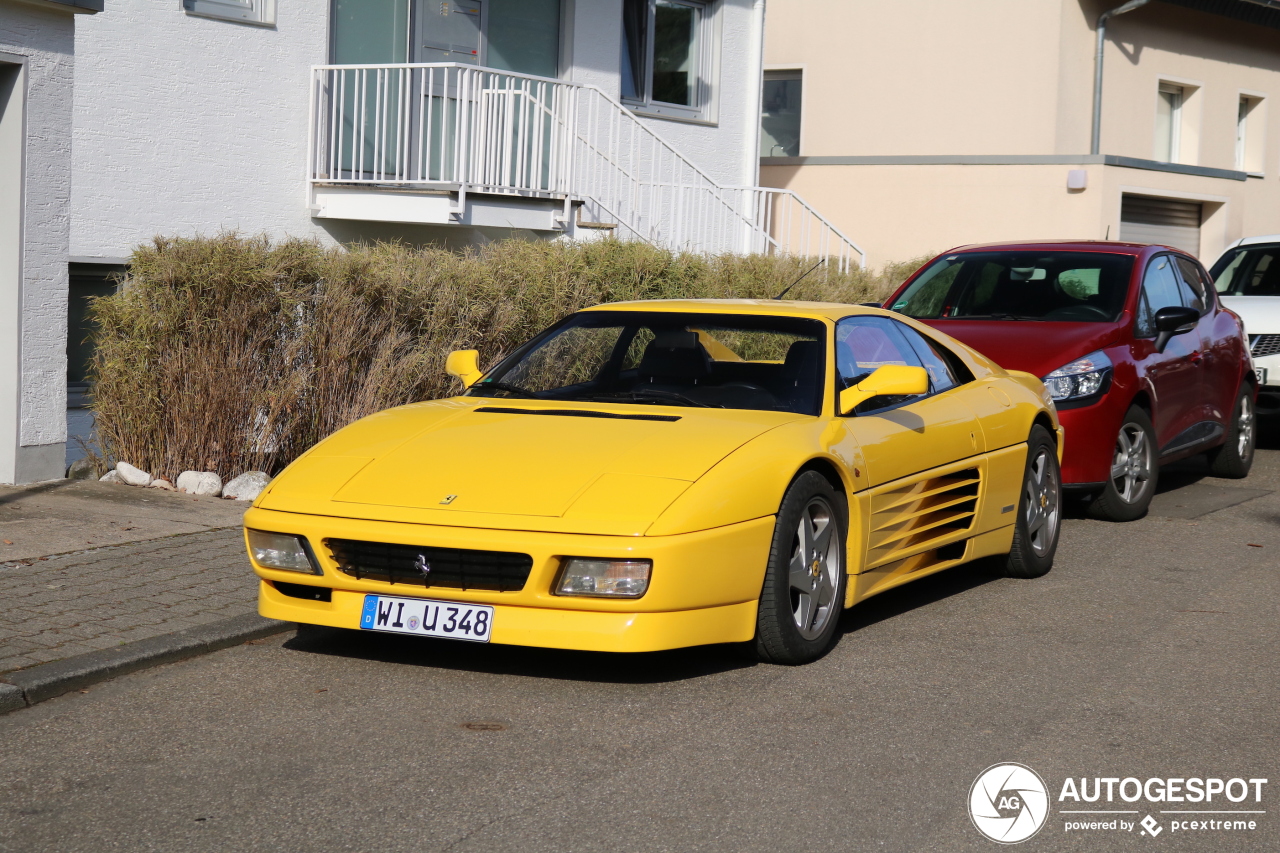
[{"x": 1247, "y": 278}]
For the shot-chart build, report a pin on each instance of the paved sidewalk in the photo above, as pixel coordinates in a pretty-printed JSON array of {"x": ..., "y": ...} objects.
[
  {"x": 63, "y": 594},
  {"x": 62, "y": 606}
]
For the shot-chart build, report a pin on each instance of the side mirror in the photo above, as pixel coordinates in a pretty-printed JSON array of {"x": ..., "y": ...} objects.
[
  {"x": 890, "y": 380},
  {"x": 1174, "y": 320},
  {"x": 465, "y": 365}
]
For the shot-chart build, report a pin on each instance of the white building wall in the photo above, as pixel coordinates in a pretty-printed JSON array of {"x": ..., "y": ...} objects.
[
  {"x": 34, "y": 436},
  {"x": 188, "y": 125}
]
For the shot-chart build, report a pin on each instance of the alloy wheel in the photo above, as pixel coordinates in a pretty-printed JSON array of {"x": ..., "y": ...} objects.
[
  {"x": 1244, "y": 428},
  {"x": 1041, "y": 492},
  {"x": 1131, "y": 468},
  {"x": 814, "y": 569}
]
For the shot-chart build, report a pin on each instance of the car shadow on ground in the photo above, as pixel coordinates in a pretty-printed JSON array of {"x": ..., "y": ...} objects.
[
  {"x": 604, "y": 667},
  {"x": 613, "y": 668}
]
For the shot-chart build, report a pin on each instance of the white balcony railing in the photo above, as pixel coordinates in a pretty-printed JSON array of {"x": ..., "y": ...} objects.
[{"x": 472, "y": 129}]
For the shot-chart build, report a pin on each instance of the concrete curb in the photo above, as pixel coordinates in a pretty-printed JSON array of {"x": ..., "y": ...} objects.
[{"x": 29, "y": 686}]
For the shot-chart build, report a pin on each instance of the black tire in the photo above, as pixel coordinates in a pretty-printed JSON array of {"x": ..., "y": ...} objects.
[
  {"x": 1234, "y": 457},
  {"x": 1134, "y": 469},
  {"x": 1039, "y": 523},
  {"x": 803, "y": 593}
]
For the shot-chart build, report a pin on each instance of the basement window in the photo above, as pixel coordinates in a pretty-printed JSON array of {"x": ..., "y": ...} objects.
[
  {"x": 260, "y": 13},
  {"x": 667, "y": 57}
]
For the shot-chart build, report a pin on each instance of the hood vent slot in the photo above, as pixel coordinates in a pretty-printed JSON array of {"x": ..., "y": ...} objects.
[{"x": 577, "y": 413}]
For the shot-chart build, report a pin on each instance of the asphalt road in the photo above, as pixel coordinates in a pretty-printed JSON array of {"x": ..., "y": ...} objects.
[{"x": 1149, "y": 651}]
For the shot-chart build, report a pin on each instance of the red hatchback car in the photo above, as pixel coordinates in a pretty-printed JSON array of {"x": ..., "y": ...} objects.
[{"x": 1144, "y": 364}]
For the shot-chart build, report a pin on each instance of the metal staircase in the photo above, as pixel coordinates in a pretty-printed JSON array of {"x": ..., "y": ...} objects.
[{"x": 463, "y": 129}]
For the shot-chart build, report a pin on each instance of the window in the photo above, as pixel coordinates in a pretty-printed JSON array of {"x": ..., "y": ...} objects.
[
  {"x": 780, "y": 114},
  {"x": 1251, "y": 271},
  {"x": 1080, "y": 287},
  {"x": 259, "y": 12},
  {"x": 1249, "y": 125},
  {"x": 1194, "y": 293},
  {"x": 1169, "y": 123},
  {"x": 864, "y": 344},
  {"x": 666, "y": 56},
  {"x": 1161, "y": 288}
]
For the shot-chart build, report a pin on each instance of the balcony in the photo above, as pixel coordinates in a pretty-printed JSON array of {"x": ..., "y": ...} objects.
[{"x": 452, "y": 144}]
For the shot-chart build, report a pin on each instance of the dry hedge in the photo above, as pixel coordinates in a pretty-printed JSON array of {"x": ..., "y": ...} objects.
[{"x": 232, "y": 353}]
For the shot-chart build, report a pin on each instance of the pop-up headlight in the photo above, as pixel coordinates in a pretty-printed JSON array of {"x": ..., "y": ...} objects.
[{"x": 604, "y": 578}]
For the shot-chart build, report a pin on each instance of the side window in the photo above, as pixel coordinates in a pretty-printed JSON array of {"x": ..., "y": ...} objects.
[
  {"x": 941, "y": 374},
  {"x": 1161, "y": 287},
  {"x": 1194, "y": 293},
  {"x": 866, "y": 343}
]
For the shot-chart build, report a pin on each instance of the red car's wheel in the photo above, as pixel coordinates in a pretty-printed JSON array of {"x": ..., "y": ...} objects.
[
  {"x": 1132, "y": 480},
  {"x": 1234, "y": 457}
]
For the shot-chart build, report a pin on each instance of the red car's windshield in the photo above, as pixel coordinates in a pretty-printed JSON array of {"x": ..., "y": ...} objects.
[{"x": 1078, "y": 287}]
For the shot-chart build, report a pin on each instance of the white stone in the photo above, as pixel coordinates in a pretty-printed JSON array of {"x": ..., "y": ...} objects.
[
  {"x": 247, "y": 486},
  {"x": 163, "y": 485},
  {"x": 131, "y": 475},
  {"x": 203, "y": 483},
  {"x": 112, "y": 476}
]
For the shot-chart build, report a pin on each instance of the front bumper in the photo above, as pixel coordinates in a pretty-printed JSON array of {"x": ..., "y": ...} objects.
[
  {"x": 704, "y": 588},
  {"x": 1090, "y": 442},
  {"x": 1269, "y": 394}
]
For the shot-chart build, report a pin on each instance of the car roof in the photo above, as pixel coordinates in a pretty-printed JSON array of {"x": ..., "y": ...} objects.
[
  {"x": 1111, "y": 246},
  {"x": 1253, "y": 241},
  {"x": 766, "y": 307}
]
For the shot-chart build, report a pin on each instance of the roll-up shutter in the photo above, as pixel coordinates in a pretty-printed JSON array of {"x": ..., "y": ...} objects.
[{"x": 1171, "y": 222}]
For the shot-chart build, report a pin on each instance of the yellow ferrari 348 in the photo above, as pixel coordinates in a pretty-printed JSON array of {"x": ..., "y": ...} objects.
[{"x": 653, "y": 475}]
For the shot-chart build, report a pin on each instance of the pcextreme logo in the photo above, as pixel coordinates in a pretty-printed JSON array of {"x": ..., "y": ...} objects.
[{"x": 1009, "y": 803}]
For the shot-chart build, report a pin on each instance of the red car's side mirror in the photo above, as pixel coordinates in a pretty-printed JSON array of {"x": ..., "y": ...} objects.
[{"x": 1174, "y": 320}]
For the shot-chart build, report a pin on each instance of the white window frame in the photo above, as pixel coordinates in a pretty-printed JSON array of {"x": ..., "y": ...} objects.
[
  {"x": 260, "y": 13},
  {"x": 1251, "y": 133},
  {"x": 707, "y": 71},
  {"x": 1175, "y": 120}
]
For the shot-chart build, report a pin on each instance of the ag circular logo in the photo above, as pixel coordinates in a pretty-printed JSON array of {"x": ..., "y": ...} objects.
[{"x": 1008, "y": 803}]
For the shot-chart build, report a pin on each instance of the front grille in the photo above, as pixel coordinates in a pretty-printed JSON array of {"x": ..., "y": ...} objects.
[
  {"x": 1261, "y": 345},
  {"x": 453, "y": 568}
]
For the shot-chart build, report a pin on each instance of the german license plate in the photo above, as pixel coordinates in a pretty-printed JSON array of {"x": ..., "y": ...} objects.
[
  {"x": 1261, "y": 373},
  {"x": 427, "y": 618}
]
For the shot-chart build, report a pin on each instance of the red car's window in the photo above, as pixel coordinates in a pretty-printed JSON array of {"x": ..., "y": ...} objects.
[{"x": 1081, "y": 287}]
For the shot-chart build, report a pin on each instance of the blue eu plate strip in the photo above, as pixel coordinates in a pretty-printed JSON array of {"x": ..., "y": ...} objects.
[{"x": 369, "y": 611}]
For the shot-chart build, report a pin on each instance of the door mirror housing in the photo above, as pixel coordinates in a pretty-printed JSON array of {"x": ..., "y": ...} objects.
[
  {"x": 1173, "y": 320},
  {"x": 890, "y": 380},
  {"x": 465, "y": 365}
]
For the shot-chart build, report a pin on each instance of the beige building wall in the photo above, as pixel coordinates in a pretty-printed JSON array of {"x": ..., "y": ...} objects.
[{"x": 996, "y": 96}]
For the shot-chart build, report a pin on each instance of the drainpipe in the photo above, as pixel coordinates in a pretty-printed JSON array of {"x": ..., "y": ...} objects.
[{"x": 1097, "y": 68}]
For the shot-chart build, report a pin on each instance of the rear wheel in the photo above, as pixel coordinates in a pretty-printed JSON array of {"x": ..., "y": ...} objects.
[
  {"x": 1234, "y": 457},
  {"x": 1035, "y": 533},
  {"x": 1132, "y": 481},
  {"x": 804, "y": 583}
]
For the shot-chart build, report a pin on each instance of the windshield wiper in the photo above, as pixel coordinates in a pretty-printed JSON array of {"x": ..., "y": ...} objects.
[
  {"x": 655, "y": 393},
  {"x": 995, "y": 316},
  {"x": 503, "y": 386}
]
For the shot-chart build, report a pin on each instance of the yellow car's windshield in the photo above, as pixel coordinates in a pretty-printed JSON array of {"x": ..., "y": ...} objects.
[{"x": 713, "y": 360}]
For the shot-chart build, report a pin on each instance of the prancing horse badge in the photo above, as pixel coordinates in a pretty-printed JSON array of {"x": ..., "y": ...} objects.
[
  {"x": 423, "y": 567},
  {"x": 448, "y": 499}
]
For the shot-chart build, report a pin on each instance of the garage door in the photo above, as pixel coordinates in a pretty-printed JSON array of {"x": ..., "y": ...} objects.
[{"x": 1172, "y": 222}]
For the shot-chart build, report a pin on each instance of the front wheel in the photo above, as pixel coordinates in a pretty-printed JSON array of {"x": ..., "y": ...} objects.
[
  {"x": 1132, "y": 482},
  {"x": 1035, "y": 533},
  {"x": 1234, "y": 457},
  {"x": 804, "y": 583}
]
